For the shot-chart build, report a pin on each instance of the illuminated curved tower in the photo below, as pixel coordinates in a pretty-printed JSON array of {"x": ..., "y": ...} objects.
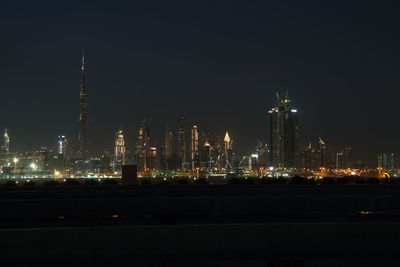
[{"x": 83, "y": 113}]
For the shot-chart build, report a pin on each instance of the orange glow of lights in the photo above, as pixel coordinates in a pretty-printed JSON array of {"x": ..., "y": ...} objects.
[{"x": 365, "y": 212}]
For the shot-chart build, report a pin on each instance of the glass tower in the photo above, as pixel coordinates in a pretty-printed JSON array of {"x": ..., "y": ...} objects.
[{"x": 283, "y": 134}]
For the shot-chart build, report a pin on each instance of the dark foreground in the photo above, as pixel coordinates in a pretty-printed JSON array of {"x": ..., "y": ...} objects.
[{"x": 201, "y": 225}]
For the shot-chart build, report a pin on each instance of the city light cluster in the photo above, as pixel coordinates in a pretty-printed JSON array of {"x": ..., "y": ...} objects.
[{"x": 188, "y": 151}]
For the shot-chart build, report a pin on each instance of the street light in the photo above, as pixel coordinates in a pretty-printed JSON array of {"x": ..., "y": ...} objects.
[{"x": 33, "y": 166}]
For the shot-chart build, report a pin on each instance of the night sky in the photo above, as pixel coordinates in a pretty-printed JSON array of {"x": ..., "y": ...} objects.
[{"x": 218, "y": 63}]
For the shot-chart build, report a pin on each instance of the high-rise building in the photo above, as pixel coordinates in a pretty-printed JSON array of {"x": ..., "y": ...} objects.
[
  {"x": 207, "y": 149},
  {"x": 119, "y": 150},
  {"x": 83, "y": 113},
  {"x": 143, "y": 146},
  {"x": 6, "y": 142},
  {"x": 386, "y": 161},
  {"x": 263, "y": 155},
  {"x": 182, "y": 149},
  {"x": 105, "y": 163},
  {"x": 168, "y": 143},
  {"x": 322, "y": 151},
  {"x": 204, "y": 150},
  {"x": 62, "y": 145},
  {"x": 227, "y": 151},
  {"x": 348, "y": 157},
  {"x": 168, "y": 157},
  {"x": 194, "y": 153},
  {"x": 283, "y": 134},
  {"x": 152, "y": 159},
  {"x": 62, "y": 156},
  {"x": 161, "y": 164}
]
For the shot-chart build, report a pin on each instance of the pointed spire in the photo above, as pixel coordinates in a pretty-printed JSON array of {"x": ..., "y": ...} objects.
[
  {"x": 83, "y": 59},
  {"x": 227, "y": 138},
  {"x": 83, "y": 112}
]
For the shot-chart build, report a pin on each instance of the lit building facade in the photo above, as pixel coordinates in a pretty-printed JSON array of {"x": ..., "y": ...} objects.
[
  {"x": 283, "y": 134},
  {"x": 120, "y": 149},
  {"x": 143, "y": 147},
  {"x": 182, "y": 148},
  {"x": 62, "y": 145},
  {"x": 194, "y": 154},
  {"x": 263, "y": 155},
  {"x": 168, "y": 152},
  {"x": 322, "y": 151},
  {"x": 227, "y": 151}
]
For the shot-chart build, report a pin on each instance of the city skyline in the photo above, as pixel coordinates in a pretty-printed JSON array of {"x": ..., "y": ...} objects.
[
  {"x": 96, "y": 151},
  {"x": 333, "y": 78},
  {"x": 199, "y": 133},
  {"x": 183, "y": 135}
]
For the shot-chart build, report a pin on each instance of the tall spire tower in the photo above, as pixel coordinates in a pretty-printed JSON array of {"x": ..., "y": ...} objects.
[{"x": 83, "y": 112}]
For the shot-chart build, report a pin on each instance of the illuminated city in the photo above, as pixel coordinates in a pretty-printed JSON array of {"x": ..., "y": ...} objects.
[
  {"x": 199, "y": 133},
  {"x": 198, "y": 154}
]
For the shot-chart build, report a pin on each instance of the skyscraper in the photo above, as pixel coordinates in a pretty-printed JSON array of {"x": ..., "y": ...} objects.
[
  {"x": 182, "y": 143},
  {"x": 168, "y": 148},
  {"x": 263, "y": 155},
  {"x": 61, "y": 160},
  {"x": 283, "y": 133},
  {"x": 227, "y": 151},
  {"x": 194, "y": 147},
  {"x": 168, "y": 142},
  {"x": 322, "y": 151},
  {"x": 119, "y": 151},
  {"x": 62, "y": 145},
  {"x": 6, "y": 142},
  {"x": 83, "y": 113},
  {"x": 207, "y": 149},
  {"x": 143, "y": 146}
]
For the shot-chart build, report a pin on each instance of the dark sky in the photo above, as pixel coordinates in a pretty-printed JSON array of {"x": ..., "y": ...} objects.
[{"x": 218, "y": 63}]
